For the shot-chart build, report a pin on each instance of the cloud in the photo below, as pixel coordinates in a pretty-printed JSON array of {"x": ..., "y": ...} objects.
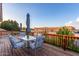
[
  {"x": 73, "y": 23},
  {"x": 77, "y": 20},
  {"x": 69, "y": 23}
]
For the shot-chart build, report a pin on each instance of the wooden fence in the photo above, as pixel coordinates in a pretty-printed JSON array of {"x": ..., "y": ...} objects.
[
  {"x": 4, "y": 33},
  {"x": 64, "y": 41}
]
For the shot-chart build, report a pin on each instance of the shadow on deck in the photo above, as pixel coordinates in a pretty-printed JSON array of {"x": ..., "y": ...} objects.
[{"x": 47, "y": 50}]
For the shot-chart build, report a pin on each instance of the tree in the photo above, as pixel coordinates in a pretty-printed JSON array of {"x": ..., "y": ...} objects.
[
  {"x": 64, "y": 31},
  {"x": 10, "y": 25}
]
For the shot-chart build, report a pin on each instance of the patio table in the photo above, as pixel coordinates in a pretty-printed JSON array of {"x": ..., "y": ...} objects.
[{"x": 31, "y": 38}]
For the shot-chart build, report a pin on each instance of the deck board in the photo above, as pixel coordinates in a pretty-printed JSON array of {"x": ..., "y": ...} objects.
[{"x": 46, "y": 50}]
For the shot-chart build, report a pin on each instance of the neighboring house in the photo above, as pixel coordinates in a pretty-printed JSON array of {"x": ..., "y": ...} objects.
[
  {"x": 76, "y": 31},
  {"x": 1, "y": 13},
  {"x": 51, "y": 30}
]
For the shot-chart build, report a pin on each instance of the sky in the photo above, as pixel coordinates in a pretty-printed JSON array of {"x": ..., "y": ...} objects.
[{"x": 44, "y": 14}]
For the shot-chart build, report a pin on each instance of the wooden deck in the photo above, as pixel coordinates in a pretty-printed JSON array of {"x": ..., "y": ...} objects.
[{"x": 47, "y": 50}]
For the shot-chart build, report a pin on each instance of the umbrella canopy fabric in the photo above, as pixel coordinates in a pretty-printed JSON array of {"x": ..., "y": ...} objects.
[{"x": 28, "y": 24}]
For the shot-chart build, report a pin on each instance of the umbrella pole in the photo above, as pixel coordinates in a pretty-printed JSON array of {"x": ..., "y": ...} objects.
[
  {"x": 27, "y": 36},
  {"x": 28, "y": 43},
  {"x": 28, "y": 40}
]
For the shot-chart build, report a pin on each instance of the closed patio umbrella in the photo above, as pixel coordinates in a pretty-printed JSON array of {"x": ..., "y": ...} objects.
[{"x": 28, "y": 25}]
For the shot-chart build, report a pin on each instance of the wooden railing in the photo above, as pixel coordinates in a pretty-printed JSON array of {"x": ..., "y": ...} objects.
[
  {"x": 3, "y": 33},
  {"x": 64, "y": 41}
]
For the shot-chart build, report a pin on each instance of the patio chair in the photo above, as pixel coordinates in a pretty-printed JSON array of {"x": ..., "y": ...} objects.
[
  {"x": 38, "y": 43},
  {"x": 16, "y": 43}
]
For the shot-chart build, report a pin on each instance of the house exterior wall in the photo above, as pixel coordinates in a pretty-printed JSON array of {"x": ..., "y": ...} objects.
[
  {"x": 49, "y": 30},
  {"x": 0, "y": 12}
]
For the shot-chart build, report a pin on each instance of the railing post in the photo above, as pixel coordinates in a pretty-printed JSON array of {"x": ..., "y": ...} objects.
[{"x": 64, "y": 42}]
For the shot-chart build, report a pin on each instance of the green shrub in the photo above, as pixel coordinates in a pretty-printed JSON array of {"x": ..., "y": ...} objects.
[
  {"x": 10, "y": 25},
  {"x": 64, "y": 31}
]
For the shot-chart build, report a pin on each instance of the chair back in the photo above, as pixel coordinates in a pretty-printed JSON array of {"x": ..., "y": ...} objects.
[
  {"x": 11, "y": 41},
  {"x": 14, "y": 42},
  {"x": 39, "y": 41}
]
